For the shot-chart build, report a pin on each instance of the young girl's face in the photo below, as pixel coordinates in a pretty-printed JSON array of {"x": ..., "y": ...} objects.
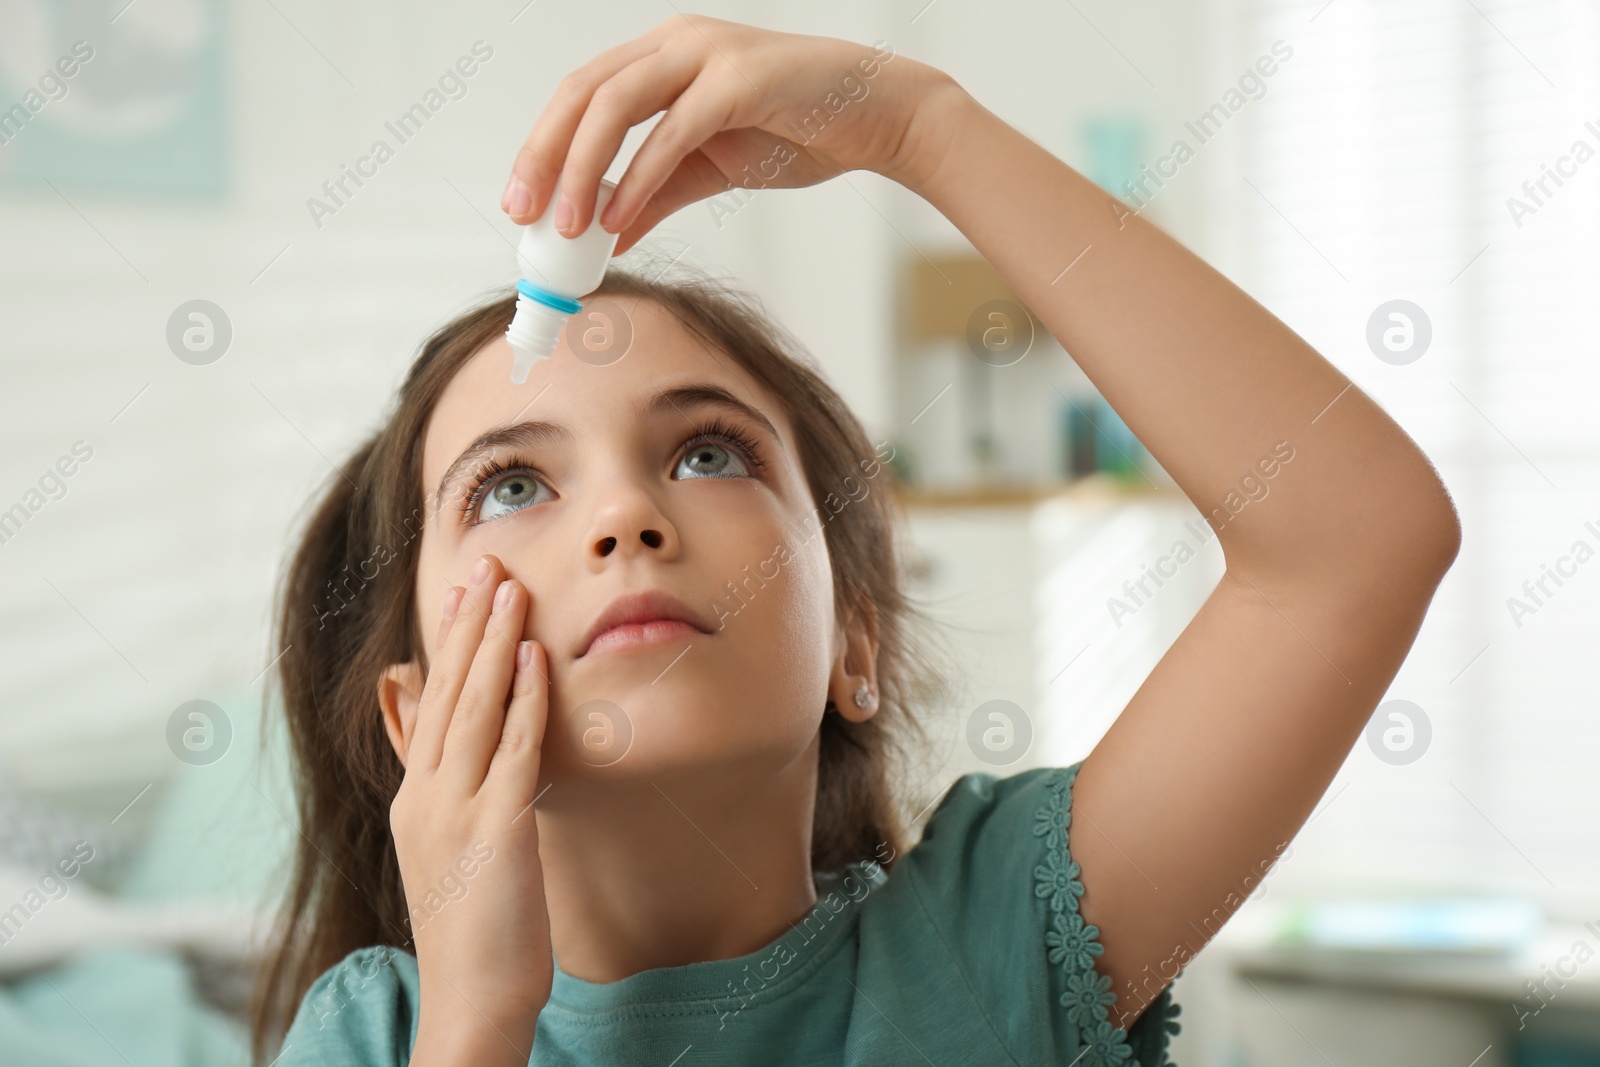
[{"x": 615, "y": 489}]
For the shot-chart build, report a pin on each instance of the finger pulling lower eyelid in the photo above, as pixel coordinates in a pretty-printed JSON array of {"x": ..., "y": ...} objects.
[{"x": 452, "y": 601}]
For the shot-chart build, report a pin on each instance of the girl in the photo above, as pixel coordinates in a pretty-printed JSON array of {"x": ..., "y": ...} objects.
[{"x": 598, "y": 686}]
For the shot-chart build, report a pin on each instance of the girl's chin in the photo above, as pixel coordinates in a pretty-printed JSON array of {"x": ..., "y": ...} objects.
[{"x": 656, "y": 748}]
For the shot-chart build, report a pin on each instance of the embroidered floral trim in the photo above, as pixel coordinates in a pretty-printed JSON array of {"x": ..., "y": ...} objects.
[{"x": 1073, "y": 944}]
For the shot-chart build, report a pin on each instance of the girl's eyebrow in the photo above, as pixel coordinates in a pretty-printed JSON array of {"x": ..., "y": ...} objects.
[{"x": 527, "y": 434}]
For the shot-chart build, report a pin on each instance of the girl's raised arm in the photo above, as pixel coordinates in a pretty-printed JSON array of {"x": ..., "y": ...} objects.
[
  {"x": 1221, "y": 755},
  {"x": 1223, "y": 752}
]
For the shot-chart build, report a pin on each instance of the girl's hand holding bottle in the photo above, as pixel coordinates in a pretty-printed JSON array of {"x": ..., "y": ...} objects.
[
  {"x": 745, "y": 107},
  {"x": 463, "y": 817}
]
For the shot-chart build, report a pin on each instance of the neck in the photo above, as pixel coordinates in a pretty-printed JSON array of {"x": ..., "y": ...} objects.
[{"x": 674, "y": 869}]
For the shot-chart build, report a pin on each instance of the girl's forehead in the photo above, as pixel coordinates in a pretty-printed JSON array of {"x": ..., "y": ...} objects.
[{"x": 587, "y": 397}]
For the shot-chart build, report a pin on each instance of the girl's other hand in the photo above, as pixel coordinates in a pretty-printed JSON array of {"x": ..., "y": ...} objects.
[
  {"x": 465, "y": 833},
  {"x": 745, "y": 107}
]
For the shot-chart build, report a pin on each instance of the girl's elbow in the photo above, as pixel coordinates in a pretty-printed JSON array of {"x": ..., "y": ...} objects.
[{"x": 1439, "y": 533}]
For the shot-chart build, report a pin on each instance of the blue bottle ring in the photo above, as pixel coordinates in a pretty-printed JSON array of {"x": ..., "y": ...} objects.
[{"x": 547, "y": 298}]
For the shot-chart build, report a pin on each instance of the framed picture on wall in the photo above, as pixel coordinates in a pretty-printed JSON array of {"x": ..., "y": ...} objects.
[{"x": 113, "y": 96}]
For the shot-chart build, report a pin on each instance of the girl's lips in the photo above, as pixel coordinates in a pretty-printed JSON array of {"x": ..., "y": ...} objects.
[
  {"x": 640, "y": 609},
  {"x": 634, "y": 635}
]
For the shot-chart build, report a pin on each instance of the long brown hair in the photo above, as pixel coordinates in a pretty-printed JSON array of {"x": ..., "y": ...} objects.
[{"x": 346, "y": 610}]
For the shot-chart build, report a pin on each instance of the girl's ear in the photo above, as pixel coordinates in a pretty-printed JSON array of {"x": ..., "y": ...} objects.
[
  {"x": 855, "y": 670},
  {"x": 399, "y": 690}
]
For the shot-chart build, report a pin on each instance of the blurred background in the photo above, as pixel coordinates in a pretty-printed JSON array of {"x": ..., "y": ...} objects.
[{"x": 199, "y": 323}]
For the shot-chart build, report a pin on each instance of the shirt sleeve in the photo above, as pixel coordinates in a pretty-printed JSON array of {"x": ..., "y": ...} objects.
[
  {"x": 361, "y": 1012},
  {"x": 995, "y": 871}
]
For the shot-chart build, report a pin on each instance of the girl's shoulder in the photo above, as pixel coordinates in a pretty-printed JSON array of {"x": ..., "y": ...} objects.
[
  {"x": 994, "y": 877},
  {"x": 361, "y": 1012},
  {"x": 989, "y": 822}
]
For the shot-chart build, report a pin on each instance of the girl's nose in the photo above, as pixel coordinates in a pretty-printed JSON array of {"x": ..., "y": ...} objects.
[
  {"x": 653, "y": 538},
  {"x": 629, "y": 522}
]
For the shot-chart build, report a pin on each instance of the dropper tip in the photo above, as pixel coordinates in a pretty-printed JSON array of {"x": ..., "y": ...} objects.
[{"x": 522, "y": 365}]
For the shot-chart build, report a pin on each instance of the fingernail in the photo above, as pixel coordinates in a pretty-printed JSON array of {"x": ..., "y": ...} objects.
[
  {"x": 480, "y": 570},
  {"x": 609, "y": 215},
  {"x": 502, "y": 596},
  {"x": 518, "y": 198},
  {"x": 563, "y": 212},
  {"x": 524, "y": 654},
  {"x": 452, "y": 601}
]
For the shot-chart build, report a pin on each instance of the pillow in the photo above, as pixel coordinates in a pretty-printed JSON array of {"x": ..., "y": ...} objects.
[{"x": 223, "y": 831}]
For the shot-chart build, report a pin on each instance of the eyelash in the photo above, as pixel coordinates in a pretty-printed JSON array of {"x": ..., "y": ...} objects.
[{"x": 718, "y": 428}]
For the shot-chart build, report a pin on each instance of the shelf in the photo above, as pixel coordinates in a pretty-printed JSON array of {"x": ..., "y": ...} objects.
[
  {"x": 1491, "y": 978},
  {"x": 1094, "y": 488}
]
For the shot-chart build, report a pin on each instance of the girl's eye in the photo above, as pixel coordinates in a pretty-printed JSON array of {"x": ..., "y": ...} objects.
[
  {"x": 511, "y": 493},
  {"x": 722, "y": 450},
  {"x": 713, "y": 460}
]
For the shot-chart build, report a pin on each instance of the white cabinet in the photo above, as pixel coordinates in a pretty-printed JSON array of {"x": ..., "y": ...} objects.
[{"x": 1024, "y": 585}]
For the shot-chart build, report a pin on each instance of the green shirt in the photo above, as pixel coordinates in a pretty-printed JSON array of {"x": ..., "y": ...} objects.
[{"x": 970, "y": 950}]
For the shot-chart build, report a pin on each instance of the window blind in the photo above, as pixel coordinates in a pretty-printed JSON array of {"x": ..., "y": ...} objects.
[{"x": 1448, "y": 154}]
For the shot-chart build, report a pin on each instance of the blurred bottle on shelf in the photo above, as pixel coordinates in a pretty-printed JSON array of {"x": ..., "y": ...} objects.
[{"x": 1095, "y": 440}]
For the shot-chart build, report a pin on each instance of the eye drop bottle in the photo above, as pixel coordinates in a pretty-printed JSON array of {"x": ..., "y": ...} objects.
[{"x": 556, "y": 272}]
